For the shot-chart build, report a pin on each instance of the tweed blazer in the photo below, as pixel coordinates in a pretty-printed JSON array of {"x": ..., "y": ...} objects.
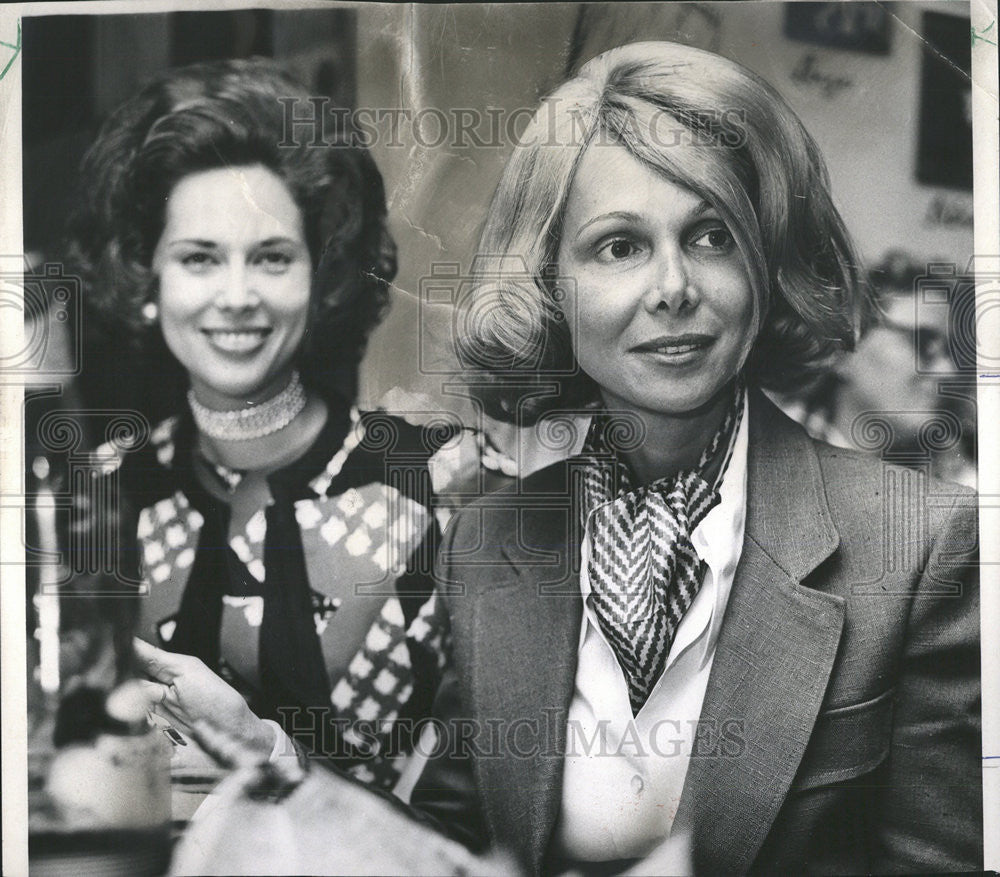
[{"x": 840, "y": 730}]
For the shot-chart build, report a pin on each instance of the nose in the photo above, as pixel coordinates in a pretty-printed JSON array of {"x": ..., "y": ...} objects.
[
  {"x": 236, "y": 291},
  {"x": 671, "y": 284}
]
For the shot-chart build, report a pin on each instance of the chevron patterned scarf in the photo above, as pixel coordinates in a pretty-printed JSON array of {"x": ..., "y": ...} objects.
[{"x": 644, "y": 571}]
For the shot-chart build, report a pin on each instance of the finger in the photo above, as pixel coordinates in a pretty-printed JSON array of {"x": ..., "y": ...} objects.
[
  {"x": 164, "y": 717},
  {"x": 158, "y": 663},
  {"x": 130, "y": 701},
  {"x": 153, "y": 693},
  {"x": 177, "y": 720}
]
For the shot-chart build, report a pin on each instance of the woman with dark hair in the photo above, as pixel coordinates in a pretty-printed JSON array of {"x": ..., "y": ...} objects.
[
  {"x": 284, "y": 537},
  {"x": 703, "y": 624}
]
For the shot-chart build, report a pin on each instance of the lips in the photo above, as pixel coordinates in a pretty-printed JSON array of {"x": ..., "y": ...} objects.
[
  {"x": 243, "y": 340},
  {"x": 675, "y": 345}
]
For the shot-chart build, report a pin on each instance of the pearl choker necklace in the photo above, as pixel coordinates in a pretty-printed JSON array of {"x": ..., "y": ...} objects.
[{"x": 252, "y": 422}]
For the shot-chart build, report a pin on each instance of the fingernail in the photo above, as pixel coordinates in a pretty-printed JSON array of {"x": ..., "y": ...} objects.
[{"x": 174, "y": 737}]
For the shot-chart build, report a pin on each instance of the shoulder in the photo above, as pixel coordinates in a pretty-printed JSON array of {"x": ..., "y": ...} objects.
[
  {"x": 358, "y": 448},
  {"x": 855, "y": 484},
  {"x": 873, "y": 518},
  {"x": 852, "y": 478},
  {"x": 391, "y": 434},
  {"x": 897, "y": 515},
  {"x": 867, "y": 467},
  {"x": 522, "y": 527},
  {"x": 140, "y": 458},
  {"x": 544, "y": 489}
]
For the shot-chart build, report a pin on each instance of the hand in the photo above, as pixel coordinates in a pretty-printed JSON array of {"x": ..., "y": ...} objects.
[{"x": 184, "y": 691}]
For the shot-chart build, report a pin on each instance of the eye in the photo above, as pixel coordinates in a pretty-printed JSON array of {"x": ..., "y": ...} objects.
[
  {"x": 273, "y": 261},
  {"x": 716, "y": 238},
  {"x": 616, "y": 250},
  {"x": 199, "y": 261}
]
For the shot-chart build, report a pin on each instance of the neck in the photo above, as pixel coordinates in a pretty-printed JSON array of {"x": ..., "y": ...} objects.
[
  {"x": 847, "y": 407},
  {"x": 252, "y": 421},
  {"x": 674, "y": 442},
  {"x": 272, "y": 451},
  {"x": 217, "y": 401}
]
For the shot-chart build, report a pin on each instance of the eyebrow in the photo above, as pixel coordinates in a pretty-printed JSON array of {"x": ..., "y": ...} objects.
[
  {"x": 627, "y": 216},
  {"x": 212, "y": 245},
  {"x": 198, "y": 242},
  {"x": 275, "y": 241}
]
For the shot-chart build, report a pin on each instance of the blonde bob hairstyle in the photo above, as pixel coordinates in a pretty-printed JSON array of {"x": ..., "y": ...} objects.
[{"x": 744, "y": 151}]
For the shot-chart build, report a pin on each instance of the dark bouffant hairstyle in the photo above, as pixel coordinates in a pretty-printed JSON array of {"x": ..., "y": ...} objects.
[
  {"x": 747, "y": 155},
  {"x": 221, "y": 114}
]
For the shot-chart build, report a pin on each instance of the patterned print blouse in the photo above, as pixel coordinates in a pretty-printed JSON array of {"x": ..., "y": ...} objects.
[{"x": 319, "y": 607}]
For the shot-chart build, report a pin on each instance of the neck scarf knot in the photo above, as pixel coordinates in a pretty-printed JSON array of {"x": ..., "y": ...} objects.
[{"x": 644, "y": 571}]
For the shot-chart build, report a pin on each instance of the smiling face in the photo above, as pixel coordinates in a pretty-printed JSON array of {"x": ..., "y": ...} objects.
[
  {"x": 234, "y": 273},
  {"x": 661, "y": 310}
]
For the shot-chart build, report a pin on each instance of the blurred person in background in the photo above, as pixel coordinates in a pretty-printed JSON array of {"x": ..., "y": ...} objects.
[{"x": 894, "y": 378}]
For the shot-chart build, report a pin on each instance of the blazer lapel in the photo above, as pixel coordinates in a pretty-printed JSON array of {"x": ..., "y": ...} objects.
[
  {"x": 774, "y": 656},
  {"x": 527, "y": 628},
  {"x": 773, "y": 659}
]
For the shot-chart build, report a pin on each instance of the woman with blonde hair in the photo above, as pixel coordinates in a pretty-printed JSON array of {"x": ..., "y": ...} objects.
[{"x": 703, "y": 623}]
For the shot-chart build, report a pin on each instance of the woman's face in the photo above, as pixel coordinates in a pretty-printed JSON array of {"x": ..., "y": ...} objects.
[
  {"x": 661, "y": 307},
  {"x": 234, "y": 275}
]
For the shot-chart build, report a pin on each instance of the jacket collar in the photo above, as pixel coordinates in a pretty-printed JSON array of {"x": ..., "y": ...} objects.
[
  {"x": 787, "y": 512},
  {"x": 774, "y": 656},
  {"x": 773, "y": 659}
]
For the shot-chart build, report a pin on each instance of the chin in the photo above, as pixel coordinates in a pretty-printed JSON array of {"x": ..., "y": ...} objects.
[
  {"x": 680, "y": 404},
  {"x": 236, "y": 390}
]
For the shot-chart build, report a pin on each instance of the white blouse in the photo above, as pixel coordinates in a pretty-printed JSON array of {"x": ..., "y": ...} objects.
[{"x": 623, "y": 776}]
